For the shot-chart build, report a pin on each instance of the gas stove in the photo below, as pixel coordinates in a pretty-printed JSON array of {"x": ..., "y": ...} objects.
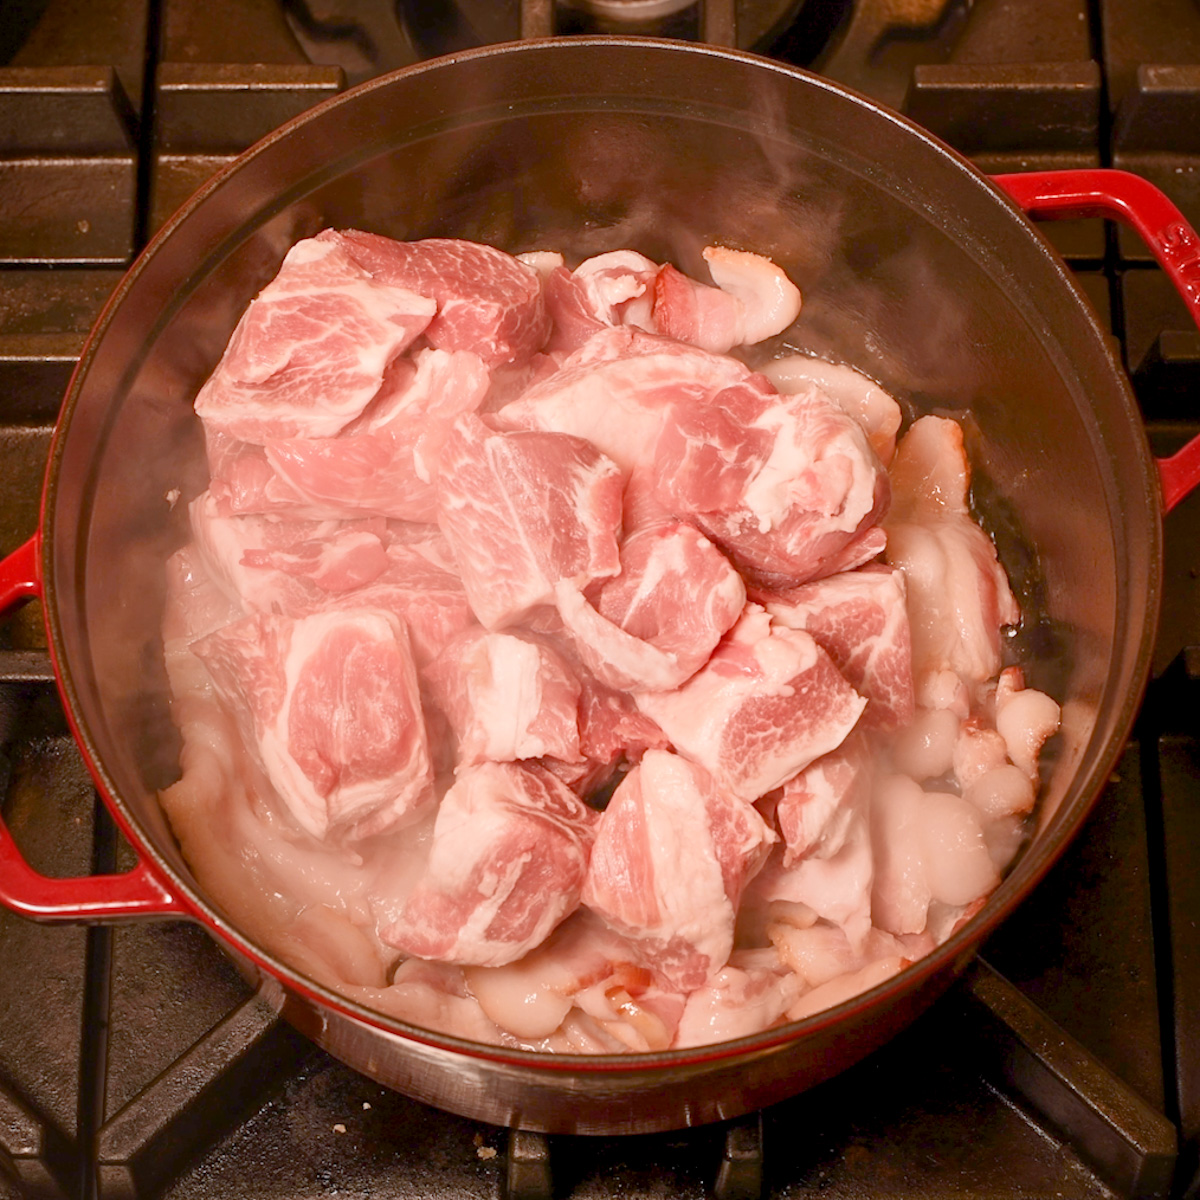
[{"x": 134, "y": 1061}]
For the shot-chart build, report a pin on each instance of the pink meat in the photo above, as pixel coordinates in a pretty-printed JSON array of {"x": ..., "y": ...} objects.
[
  {"x": 768, "y": 299},
  {"x": 613, "y": 734},
  {"x": 654, "y": 625},
  {"x": 788, "y": 487},
  {"x": 387, "y": 462},
  {"x": 861, "y": 397},
  {"x": 242, "y": 482},
  {"x": 194, "y": 605},
  {"x": 837, "y": 887},
  {"x": 311, "y": 350},
  {"x": 860, "y": 619},
  {"x": 348, "y": 560},
  {"x": 509, "y": 854},
  {"x": 695, "y": 313},
  {"x": 816, "y": 804},
  {"x": 507, "y": 698},
  {"x": 428, "y": 597},
  {"x": 752, "y": 300},
  {"x": 523, "y": 511},
  {"x": 255, "y": 585},
  {"x": 572, "y": 315},
  {"x": 959, "y": 598},
  {"x": 487, "y": 301},
  {"x": 329, "y": 704},
  {"x": 619, "y": 390},
  {"x": 672, "y": 856},
  {"x": 610, "y": 289},
  {"x": 619, "y": 286},
  {"x": 766, "y": 704}
]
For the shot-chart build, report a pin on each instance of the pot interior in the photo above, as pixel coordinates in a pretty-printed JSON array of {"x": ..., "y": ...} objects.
[{"x": 911, "y": 266}]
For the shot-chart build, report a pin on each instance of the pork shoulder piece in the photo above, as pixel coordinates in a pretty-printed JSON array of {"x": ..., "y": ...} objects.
[
  {"x": 673, "y": 854},
  {"x": 859, "y": 396},
  {"x": 753, "y": 300},
  {"x": 860, "y": 619},
  {"x": 428, "y": 597},
  {"x": 386, "y": 462},
  {"x": 487, "y": 301},
  {"x": 799, "y": 500},
  {"x": 507, "y": 698},
  {"x": 611, "y": 289},
  {"x": 311, "y": 350},
  {"x": 509, "y": 854},
  {"x": 619, "y": 390},
  {"x": 523, "y": 511},
  {"x": 959, "y": 598},
  {"x": 833, "y": 878},
  {"x": 328, "y": 704},
  {"x": 278, "y": 562},
  {"x": 654, "y": 625},
  {"x": 815, "y": 806},
  {"x": 767, "y": 703},
  {"x": 613, "y": 734}
]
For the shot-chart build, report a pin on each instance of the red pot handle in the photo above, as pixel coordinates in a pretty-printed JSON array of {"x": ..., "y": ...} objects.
[
  {"x": 1136, "y": 202},
  {"x": 137, "y": 893}
]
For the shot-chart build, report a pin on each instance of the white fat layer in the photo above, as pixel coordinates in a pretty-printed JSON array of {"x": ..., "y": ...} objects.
[
  {"x": 770, "y": 301},
  {"x": 506, "y": 708}
]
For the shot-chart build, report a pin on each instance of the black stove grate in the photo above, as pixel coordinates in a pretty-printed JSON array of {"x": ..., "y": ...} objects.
[{"x": 134, "y": 1062}]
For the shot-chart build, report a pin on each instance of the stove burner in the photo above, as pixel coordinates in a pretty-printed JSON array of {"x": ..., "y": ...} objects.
[
  {"x": 443, "y": 26},
  {"x": 365, "y": 39},
  {"x": 630, "y": 12}
]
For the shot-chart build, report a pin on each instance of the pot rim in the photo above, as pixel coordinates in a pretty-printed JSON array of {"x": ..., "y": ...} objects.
[{"x": 954, "y": 954}]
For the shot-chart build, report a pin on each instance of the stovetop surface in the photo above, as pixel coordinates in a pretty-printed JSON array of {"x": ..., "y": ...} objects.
[{"x": 134, "y": 1061}]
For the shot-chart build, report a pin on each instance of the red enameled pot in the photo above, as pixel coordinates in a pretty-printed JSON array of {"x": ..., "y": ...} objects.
[{"x": 915, "y": 268}]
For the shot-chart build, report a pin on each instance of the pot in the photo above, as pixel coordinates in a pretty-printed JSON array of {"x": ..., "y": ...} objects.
[{"x": 915, "y": 268}]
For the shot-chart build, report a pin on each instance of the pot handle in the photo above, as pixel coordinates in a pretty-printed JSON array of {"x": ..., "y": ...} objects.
[
  {"x": 1136, "y": 202},
  {"x": 20, "y": 576},
  {"x": 137, "y": 893}
]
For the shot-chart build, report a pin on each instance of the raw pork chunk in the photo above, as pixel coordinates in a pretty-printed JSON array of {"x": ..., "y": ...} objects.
[
  {"x": 655, "y": 624},
  {"x": 311, "y": 350},
  {"x": 860, "y": 619},
  {"x": 523, "y": 511},
  {"x": 753, "y": 300},
  {"x": 619, "y": 390},
  {"x": 509, "y": 855},
  {"x": 386, "y": 462},
  {"x": 429, "y": 597},
  {"x": 862, "y": 398},
  {"x": 613, "y": 733},
  {"x": 609, "y": 289},
  {"x": 487, "y": 301},
  {"x": 673, "y": 853},
  {"x": 827, "y": 863},
  {"x": 959, "y": 596},
  {"x": 281, "y": 564},
  {"x": 766, "y": 704},
  {"x": 815, "y": 805},
  {"x": 329, "y": 704},
  {"x": 787, "y": 486},
  {"x": 507, "y": 698}
]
